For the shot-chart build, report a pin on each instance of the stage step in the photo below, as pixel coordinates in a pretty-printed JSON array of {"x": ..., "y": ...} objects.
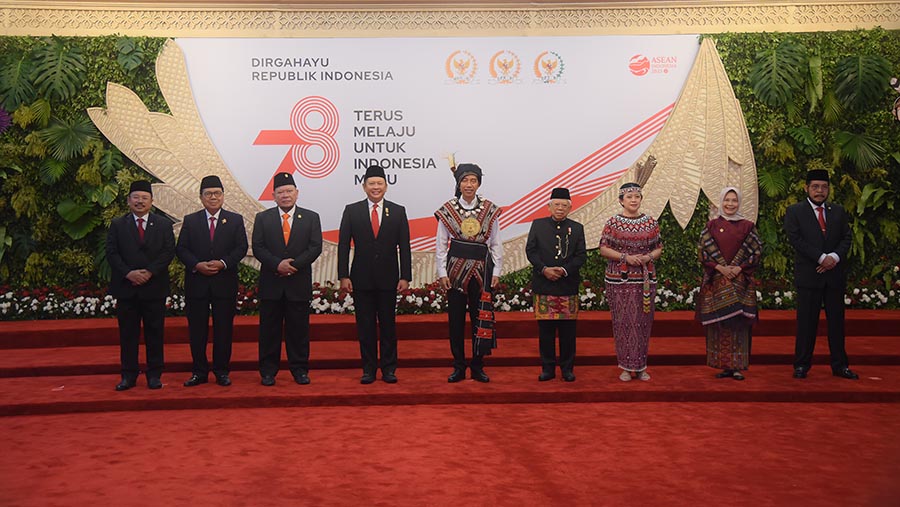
[
  {"x": 417, "y": 386},
  {"x": 326, "y": 355},
  {"x": 98, "y": 332}
]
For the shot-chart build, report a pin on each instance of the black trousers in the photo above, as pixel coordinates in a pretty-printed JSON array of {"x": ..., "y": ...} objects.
[
  {"x": 223, "y": 311},
  {"x": 547, "y": 330},
  {"x": 376, "y": 316},
  {"x": 809, "y": 305},
  {"x": 131, "y": 313},
  {"x": 277, "y": 318},
  {"x": 458, "y": 304}
]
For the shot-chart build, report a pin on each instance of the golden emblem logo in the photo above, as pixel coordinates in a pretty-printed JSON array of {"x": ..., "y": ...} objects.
[
  {"x": 505, "y": 67},
  {"x": 549, "y": 67},
  {"x": 461, "y": 67}
]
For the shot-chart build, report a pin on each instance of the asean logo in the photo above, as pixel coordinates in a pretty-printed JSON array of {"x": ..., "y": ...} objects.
[
  {"x": 639, "y": 65},
  {"x": 313, "y": 152},
  {"x": 505, "y": 67},
  {"x": 460, "y": 67},
  {"x": 549, "y": 67}
]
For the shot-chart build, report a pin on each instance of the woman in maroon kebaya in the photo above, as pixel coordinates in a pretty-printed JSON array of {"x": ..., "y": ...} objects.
[{"x": 730, "y": 249}]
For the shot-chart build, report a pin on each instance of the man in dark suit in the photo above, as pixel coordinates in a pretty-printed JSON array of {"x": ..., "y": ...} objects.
[
  {"x": 556, "y": 251},
  {"x": 820, "y": 235},
  {"x": 379, "y": 231},
  {"x": 211, "y": 245},
  {"x": 139, "y": 248},
  {"x": 287, "y": 239}
]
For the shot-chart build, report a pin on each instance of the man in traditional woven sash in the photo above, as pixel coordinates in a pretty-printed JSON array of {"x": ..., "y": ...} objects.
[
  {"x": 468, "y": 250},
  {"x": 556, "y": 251}
]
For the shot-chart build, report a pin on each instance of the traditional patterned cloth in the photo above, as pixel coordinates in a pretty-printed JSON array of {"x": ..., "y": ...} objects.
[
  {"x": 728, "y": 308},
  {"x": 547, "y": 307},
  {"x": 631, "y": 290},
  {"x": 452, "y": 214},
  {"x": 462, "y": 269}
]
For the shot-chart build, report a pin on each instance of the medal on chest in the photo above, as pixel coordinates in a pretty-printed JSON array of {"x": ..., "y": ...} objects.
[{"x": 470, "y": 227}]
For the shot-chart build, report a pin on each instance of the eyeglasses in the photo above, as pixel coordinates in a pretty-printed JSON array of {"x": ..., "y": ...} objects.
[{"x": 214, "y": 193}]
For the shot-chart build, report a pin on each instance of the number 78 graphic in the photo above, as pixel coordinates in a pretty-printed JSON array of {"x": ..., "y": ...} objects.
[{"x": 302, "y": 137}]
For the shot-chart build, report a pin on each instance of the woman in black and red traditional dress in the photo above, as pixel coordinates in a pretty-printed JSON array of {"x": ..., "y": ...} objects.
[
  {"x": 630, "y": 241},
  {"x": 730, "y": 249}
]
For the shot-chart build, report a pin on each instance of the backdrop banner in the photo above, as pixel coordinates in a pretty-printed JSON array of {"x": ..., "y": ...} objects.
[{"x": 533, "y": 112}]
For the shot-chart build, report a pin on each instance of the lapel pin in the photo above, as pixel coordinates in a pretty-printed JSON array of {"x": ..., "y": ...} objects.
[
  {"x": 224, "y": 220},
  {"x": 299, "y": 215},
  {"x": 387, "y": 211}
]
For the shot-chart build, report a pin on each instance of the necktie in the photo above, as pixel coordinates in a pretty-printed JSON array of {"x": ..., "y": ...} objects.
[
  {"x": 140, "y": 225},
  {"x": 375, "y": 220},
  {"x": 212, "y": 228},
  {"x": 820, "y": 211},
  {"x": 285, "y": 227}
]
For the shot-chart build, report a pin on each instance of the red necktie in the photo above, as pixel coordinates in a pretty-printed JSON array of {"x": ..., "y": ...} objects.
[
  {"x": 212, "y": 228},
  {"x": 375, "y": 220},
  {"x": 820, "y": 211},
  {"x": 140, "y": 225}
]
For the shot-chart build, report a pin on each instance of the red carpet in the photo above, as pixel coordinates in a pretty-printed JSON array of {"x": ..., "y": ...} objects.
[
  {"x": 658, "y": 454},
  {"x": 684, "y": 438}
]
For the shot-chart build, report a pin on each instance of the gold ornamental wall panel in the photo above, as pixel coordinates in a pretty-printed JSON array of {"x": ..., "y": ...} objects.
[{"x": 343, "y": 19}]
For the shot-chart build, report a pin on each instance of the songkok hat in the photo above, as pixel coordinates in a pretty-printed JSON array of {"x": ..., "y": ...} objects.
[
  {"x": 282, "y": 179},
  {"x": 374, "y": 171},
  {"x": 817, "y": 175},
  {"x": 141, "y": 186},
  {"x": 211, "y": 181},
  {"x": 560, "y": 193}
]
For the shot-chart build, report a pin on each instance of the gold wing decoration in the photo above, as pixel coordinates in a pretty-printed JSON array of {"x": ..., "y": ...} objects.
[
  {"x": 549, "y": 66},
  {"x": 174, "y": 148},
  {"x": 704, "y": 146}
]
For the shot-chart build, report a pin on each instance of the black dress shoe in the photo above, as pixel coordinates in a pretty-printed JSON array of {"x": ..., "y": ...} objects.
[
  {"x": 154, "y": 383},
  {"x": 457, "y": 376},
  {"x": 800, "y": 372},
  {"x": 367, "y": 378},
  {"x": 301, "y": 378},
  {"x": 546, "y": 375},
  {"x": 480, "y": 376},
  {"x": 195, "y": 380},
  {"x": 568, "y": 376},
  {"x": 845, "y": 373},
  {"x": 223, "y": 380},
  {"x": 125, "y": 385},
  {"x": 725, "y": 374},
  {"x": 736, "y": 375},
  {"x": 268, "y": 380},
  {"x": 390, "y": 378}
]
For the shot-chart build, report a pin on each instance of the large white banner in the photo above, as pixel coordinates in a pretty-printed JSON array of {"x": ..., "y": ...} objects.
[{"x": 533, "y": 112}]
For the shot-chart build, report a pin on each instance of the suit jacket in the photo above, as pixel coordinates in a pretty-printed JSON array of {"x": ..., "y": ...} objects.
[
  {"x": 229, "y": 245},
  {"x": 125, "y": 252},
  {"x": 804, "y": 234},
  {"x": 304, "y": 246},
  {"x": 556, "y": 244},
  {"x": 375, "y": 260}
]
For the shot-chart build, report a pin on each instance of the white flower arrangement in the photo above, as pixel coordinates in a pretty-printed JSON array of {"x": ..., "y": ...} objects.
[{"x": 328, "y": 299}]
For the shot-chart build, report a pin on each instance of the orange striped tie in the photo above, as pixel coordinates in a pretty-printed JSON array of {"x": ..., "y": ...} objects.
[{"x": 285, "y": 227}]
